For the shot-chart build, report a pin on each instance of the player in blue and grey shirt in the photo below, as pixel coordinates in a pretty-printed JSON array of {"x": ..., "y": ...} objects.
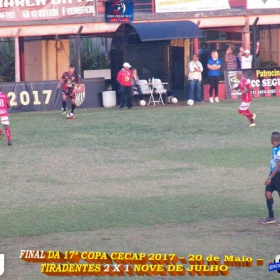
[{"x": 273, "y": 181}]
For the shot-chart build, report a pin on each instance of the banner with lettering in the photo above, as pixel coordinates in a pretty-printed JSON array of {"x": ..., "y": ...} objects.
[
  {"x": 24, "y": 10},
  {"x": 165, "y": 6},
  {"x": 264, "y": 81},
  {"x": 44, "y": 96}
]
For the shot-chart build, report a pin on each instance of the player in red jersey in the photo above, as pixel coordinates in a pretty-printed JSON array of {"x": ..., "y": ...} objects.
[
  {"x": 245, "y": 88},
  {"x": 69, "y": 80},
  {"x": 4, "y": 116}
]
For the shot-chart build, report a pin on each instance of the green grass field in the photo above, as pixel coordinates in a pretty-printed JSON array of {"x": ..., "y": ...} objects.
[{"x": 169, "y": 179}]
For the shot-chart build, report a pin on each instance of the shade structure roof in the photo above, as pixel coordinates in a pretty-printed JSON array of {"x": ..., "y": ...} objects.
[
  {"x": 137, "y": 33},
  {"x": 157, "y": 31}
]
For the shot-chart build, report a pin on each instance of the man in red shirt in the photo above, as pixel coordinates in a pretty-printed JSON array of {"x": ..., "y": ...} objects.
[
  {"x": 124, "y": 79},
  {"x": 4, "y": 116},
  {"x": 245, "y": 88}
]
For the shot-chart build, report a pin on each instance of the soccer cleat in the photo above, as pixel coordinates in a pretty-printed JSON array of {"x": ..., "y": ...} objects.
[
  {"x": 10, "y": 143},
  {"x": 211, "y": 100},
  {"x": 64, "y": 113},
  {"x": 254, "y": 117},
  {"x": 217, "y": 99},
  {"x": 252, "y": 125},
  {"x": 2, "y": 135},
  {"x": 268, "y": 221}
]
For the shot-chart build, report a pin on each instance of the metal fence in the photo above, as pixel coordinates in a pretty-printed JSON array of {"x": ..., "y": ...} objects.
[
  {"x": 219, "y": 41},
  {"x": 268, "y": 36},
  {"x": 47, "y": 57}
]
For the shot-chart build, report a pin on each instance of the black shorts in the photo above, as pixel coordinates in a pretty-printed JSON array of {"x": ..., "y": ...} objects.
[{"x": 274, "y": 184}]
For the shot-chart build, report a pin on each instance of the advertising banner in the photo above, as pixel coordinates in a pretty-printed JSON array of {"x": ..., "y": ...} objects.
[
  {"x": 263, "y": 4},
  {"x": 264, "y": 81},
  {"x": 119, "y": 11},
  {"x": 26, "y": 10},
  {"x": 44, "y": 96},
  {"x": 165, "y": 6}
]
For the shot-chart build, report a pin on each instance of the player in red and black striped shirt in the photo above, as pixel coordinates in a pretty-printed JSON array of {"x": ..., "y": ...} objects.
[{"x": 69, "y": 79}]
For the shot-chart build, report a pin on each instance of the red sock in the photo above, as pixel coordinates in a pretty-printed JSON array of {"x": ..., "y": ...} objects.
[
  {"x": 1, "y": 131},
  {"x": 8, "y": 134},
  {"x": 248, "y": 114},
  {"x": 250, "y": 119}
]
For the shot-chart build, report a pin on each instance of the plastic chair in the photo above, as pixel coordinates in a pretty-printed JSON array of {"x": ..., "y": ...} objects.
[
  {"x": 147, "y": 89},
  {"x": 159, "y": 89}
]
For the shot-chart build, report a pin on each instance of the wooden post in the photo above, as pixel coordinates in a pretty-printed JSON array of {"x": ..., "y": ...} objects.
[{"x": 17, "y": 57}]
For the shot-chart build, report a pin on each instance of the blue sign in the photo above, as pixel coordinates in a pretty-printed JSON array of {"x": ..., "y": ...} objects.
[
  {"x": 119, "y": 11},
  {"x": 274, "y": 266}
]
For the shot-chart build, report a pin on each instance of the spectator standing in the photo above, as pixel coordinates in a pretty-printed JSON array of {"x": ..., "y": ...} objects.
[
  {"x": 125, "y": 86},
  {"x": 230, "y": 59},
  {"x": 195, "y": 77},
  {"x": 246, "y": 58},
  {"x": 214, "y": 72}
]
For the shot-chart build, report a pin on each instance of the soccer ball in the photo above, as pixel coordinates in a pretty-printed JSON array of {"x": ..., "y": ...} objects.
[
  {"x": 277, "y": 260},
  {"x": 174, "y": 100},
  {"x": 70, "y": 116},
  {"x": 142, "y": 103},
  {"x": 190, "y": 102}
]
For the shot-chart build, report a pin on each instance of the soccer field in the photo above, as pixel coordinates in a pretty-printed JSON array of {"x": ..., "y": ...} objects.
[{"x": 169, "y": 179}]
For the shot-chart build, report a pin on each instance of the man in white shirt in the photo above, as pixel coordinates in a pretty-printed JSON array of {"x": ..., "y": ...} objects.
[
  {"x": 246, "y": 58},
  {"x": 195, "y": 70}
]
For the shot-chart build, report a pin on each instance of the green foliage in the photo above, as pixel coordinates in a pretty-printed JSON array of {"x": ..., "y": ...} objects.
[
  {"x": 7, "y": 60},
  {"x": 94, "y": 53}
]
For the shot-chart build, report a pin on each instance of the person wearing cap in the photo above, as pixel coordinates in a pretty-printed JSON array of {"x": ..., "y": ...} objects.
[
  {"x": 246, "y": 58},
  {"x": 125, "y": 86}
]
